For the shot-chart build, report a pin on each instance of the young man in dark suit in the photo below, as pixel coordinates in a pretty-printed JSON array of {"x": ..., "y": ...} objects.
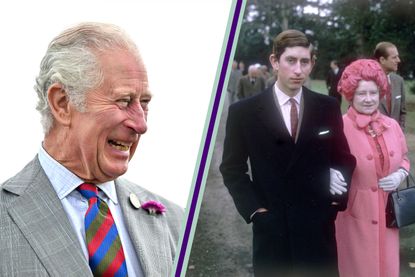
[{"x": 300, "y": 166}]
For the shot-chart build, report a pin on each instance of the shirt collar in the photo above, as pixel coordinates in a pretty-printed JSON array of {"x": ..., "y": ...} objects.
[
  {"x": 64, "y": 181},
  {"x": 284, "y": 98}
]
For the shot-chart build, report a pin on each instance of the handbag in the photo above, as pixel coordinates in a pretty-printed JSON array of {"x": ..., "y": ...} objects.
[{"x": 400, "y": 207}]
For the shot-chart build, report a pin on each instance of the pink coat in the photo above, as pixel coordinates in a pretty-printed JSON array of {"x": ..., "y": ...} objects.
[{"x": 365, "y": 246}]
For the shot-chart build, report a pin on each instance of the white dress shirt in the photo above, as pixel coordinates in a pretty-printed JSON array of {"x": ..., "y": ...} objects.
[
  {"x": 75, "y": 205},
  {"x": 285, "y": 105}
]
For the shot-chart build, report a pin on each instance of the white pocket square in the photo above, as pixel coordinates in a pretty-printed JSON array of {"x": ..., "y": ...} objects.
[
  {"x": 398, "y": 96},
  {"x": 324, "y": 132}
]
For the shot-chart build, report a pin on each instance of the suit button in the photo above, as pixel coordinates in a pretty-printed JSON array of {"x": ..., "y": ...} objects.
[
  {"x": 369, "y": 157},
  {"x": 391, "y": 153},
  {"x": 374, "y": 189},
  {"x": 374, "y": 222}
]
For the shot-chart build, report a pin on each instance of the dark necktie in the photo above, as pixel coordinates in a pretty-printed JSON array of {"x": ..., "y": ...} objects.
[
  {"x": 293, "y": 118},
  {"x": 106, "y": 256}
]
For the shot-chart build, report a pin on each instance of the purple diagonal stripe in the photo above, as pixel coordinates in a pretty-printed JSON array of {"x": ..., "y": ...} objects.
[{"x": 208, "y": 138}]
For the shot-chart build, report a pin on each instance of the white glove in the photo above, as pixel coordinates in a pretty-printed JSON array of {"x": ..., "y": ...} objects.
[
  {"x": 337, "y": 182},
  {"x": 393, "y": 180}
]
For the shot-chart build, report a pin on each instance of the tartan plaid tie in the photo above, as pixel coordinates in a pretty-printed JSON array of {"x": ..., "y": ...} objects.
[{"x": 106, "y": 256}]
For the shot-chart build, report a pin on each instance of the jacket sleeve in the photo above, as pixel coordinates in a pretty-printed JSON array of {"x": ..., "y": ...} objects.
[
  {"x": 340, "y": 156},
  {"x": 234, "y": 167}
]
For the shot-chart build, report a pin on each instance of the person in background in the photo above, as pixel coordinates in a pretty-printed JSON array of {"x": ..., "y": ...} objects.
[
  {"x": 366, "y": 247},
  {"x": 271, "y": 80},
  {"x": 264, "y": 72},
  {"x": 300, "y": 162},
  {"x": 250, "y": 84},
  {"x": 233, "y": 82},
  {"x": 332, "y": 80},
  {"x": 68, "y": 212},
  {"x": 241, "y": 67},
  {"x": 394, "y": 105}
]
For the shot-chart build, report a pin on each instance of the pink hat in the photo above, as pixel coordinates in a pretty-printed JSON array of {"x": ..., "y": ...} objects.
[{"x": 363, "y": 69}]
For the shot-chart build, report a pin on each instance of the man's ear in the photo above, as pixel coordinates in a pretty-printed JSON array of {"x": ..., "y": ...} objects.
[
  {"x": 274, "y": 62},
  {"x": 59, "y": 104}
]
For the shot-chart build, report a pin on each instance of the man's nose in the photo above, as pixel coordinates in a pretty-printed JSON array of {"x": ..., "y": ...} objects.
[
  {"x": 137, "y": 120},
  {"x": 297, "y": 68}
]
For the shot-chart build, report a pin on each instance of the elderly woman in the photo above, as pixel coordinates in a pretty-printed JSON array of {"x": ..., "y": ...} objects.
[{"x": 366, "y": 247}]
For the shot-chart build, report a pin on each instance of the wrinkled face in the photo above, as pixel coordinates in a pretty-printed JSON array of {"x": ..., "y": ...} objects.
[
  {"x": 390, "y": 64},
  {"x": 104, "y": 138},
  {"x": 293, "y": 67},
  {"x": 253, "y": 72},
  {"x": 366, "y": 97}
]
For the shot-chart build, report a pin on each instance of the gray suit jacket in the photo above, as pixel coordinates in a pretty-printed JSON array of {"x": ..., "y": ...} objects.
[
  {"x": 37, "y": 239},
  {"x": 398, "y": 105}
]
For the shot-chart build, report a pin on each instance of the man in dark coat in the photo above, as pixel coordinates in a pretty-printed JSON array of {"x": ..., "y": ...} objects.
[
  {"x": 300, "y": 165},
  {"x": 332, "y": 80}
]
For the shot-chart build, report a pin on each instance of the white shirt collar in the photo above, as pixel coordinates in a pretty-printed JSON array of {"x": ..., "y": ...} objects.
[
  {"x": 64, "y": 181},
  {"x": 284, "y": 98}
]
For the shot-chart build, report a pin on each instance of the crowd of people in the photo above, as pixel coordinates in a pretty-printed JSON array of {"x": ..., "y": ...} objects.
[
  {"x": 314, "y": 183},
  {"x": 245, "y": 83}
]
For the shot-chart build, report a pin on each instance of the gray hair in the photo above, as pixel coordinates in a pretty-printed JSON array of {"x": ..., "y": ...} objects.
[{"x": 71, "y": 61}]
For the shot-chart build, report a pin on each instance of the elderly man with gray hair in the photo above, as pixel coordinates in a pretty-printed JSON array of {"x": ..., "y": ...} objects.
[
  {"x": 250, "y": 84},
  {"x": 68, "y": 212}
]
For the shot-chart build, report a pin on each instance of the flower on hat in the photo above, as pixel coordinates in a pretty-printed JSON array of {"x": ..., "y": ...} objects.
[{"x": 153, "y": 207}]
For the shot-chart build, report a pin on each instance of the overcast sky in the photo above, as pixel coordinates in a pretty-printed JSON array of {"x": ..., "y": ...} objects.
[{"x": 180, "y": 42}]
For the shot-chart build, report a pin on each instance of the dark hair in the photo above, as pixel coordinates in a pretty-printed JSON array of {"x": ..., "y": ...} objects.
[
  {"x": 381, "y": 49},
  {"x": 290, "y": 38}
]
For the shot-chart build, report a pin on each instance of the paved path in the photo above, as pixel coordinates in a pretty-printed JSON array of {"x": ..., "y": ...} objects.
[{"x": 222, "y": 241}]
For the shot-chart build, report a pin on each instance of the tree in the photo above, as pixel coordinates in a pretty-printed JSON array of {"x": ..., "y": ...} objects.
[{"x": 340, "y": 29}]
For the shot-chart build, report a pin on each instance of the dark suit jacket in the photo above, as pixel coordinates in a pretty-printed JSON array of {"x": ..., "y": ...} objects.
[
  {"x": 290, "y": 179},
  {"x": 332, "y": 81}
]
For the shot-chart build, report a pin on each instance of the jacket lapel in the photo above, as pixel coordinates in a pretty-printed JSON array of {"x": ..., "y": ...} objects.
[
  {"x": 39, "y": 214},
  {"x": 394, "y": 92},
  {"x": 271, "y": 116},
  {"x": 383, "y": 107},
  {"x": 147, "y": 232},
  {"x": 307, "y": 127}
]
